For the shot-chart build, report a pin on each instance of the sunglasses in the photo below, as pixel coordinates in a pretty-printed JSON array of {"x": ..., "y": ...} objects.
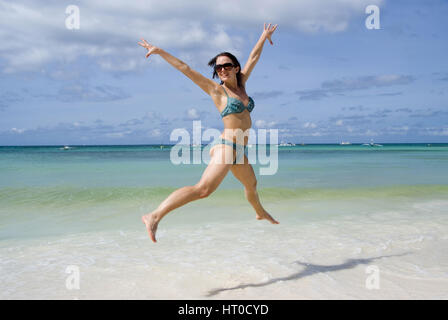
[{"x": 226, "y": 66}]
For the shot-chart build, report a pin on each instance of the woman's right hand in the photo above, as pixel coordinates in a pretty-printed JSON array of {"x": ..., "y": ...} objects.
[{"x": 151, "y": 49}]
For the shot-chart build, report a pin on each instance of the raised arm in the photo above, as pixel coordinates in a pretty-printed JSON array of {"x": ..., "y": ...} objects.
[
  {"x": 208, "y": 85},
  {"x": 256, "y": 51}
]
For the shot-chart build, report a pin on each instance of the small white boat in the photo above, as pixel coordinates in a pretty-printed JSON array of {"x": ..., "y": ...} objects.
[
  {"x": 288, "y": 144},
  {"x": 345, "y": 143},
  {"x": 371, "y": 144},
  {"x": 65, "y": 148}
]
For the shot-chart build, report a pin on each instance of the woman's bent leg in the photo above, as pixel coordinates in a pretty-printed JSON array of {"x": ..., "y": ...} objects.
[
  {"x": 246, "y": 175},
  {"x": 213, "y": 175}
]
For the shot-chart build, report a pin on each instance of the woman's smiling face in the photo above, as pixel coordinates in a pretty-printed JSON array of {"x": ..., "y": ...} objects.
[{"x": 224, "y": 74}]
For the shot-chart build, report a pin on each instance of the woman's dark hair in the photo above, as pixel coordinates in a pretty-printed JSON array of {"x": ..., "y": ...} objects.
[{"x": 235, "y": 62}]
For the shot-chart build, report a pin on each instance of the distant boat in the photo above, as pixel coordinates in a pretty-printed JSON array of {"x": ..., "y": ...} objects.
[
  {"x": 288, "y": 144},
  {"x": 65, "y": 148},
  {"x": 371, "y": 144},
  {"x": 345, "y": 142}
]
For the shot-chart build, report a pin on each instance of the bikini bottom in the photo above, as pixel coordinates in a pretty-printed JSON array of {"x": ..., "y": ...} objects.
[{"x": 240, "y": 149}]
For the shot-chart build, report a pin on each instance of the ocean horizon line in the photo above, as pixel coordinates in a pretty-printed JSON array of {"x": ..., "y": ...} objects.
[{"x": 205, "y": 144}]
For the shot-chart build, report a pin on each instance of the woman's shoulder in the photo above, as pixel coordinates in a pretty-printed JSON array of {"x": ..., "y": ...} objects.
[{"x": 219, "y": 97}]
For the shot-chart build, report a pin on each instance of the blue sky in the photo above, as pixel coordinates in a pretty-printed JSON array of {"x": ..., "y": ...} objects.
[{"x": 326, "y": 79}]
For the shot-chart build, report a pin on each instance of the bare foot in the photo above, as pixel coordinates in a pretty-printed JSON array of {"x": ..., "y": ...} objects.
[
  {"x": 151, "y": 225},
  {"x": 267, "y": 216}
]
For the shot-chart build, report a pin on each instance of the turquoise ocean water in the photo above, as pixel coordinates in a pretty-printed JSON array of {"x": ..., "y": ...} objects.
[{"x": 82, "y": 207}]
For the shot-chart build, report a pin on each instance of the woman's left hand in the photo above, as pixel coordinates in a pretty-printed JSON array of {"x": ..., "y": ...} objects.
[{"x": 269, "y": 31}]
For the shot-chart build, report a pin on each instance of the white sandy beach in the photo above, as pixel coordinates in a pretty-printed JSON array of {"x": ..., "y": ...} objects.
[{"x": 234, "y": 256}]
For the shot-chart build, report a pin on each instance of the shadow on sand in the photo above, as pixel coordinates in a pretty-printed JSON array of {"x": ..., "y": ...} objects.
[{"x": 309, "y": 270}]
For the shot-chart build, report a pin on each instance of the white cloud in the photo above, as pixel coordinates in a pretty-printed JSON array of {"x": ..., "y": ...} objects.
[
  {"x": 86, "y": 92},
  {"x": 309, "y": 125},
  {"x": 403, "y": 128},
  {"x": 370, "y": 133},
  {"x": 366, "y": 82},
  {"x": 192, "y": 114},
  {"x": 338, "y": 86},
  {"x": 264, "y": 124},
  {"x": 260, "y": 123},
  {"x": 155, "y": 133},
  {"x": 18, "y": 131},
  {"x": 118, "y": 134},
  {"x": 33, "y": 33},
  {"x": 444, "y": 132},
  {"x": 436, "y": 131}
]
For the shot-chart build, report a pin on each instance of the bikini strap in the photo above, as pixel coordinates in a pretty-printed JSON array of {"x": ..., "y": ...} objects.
[{"x": 225, "y": 91}]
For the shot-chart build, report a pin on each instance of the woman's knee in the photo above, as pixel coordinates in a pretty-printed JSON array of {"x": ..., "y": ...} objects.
[
  {"x": 251, "y": 186},
  {"x": 203, "y": 190}
]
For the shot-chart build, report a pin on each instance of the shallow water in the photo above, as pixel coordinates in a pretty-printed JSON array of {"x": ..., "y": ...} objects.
[{"x": 341, "y": 209}]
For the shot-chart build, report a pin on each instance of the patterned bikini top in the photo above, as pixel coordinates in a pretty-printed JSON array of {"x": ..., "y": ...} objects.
[{"x": 236, "y": 106}]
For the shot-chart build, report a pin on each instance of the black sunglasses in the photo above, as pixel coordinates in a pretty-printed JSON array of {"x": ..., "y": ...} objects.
[{"x": 226, "y": 66}]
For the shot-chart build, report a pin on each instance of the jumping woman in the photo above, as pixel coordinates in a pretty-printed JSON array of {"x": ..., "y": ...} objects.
[{"x": 234, "y": 105}]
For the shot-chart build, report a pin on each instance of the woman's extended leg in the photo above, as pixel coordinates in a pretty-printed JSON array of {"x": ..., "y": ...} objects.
[
  {"x": 213, "y": 175},
  {"x": 246, "y": 175}
]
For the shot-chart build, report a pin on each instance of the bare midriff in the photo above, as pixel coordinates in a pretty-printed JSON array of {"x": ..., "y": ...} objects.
[{"x": 235, "y": 121}]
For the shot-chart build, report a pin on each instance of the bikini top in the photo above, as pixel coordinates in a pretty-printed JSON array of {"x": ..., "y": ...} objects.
[{"x": 236, "y": 106}]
